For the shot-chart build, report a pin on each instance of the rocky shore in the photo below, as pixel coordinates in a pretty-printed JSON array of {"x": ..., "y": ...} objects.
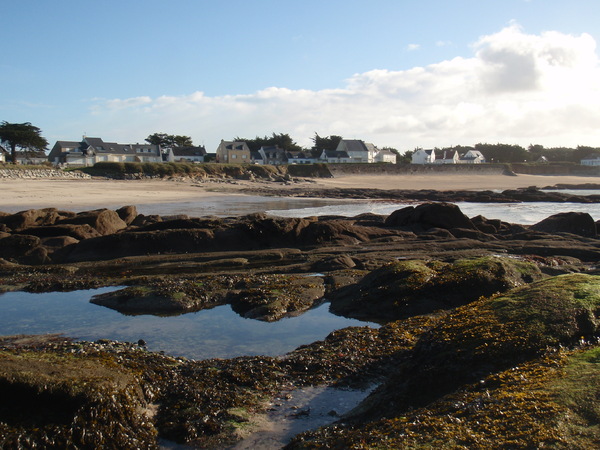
[{"x": 489, "y": 330}]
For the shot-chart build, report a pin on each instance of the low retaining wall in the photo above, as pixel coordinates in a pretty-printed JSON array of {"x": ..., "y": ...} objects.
[
  {"x": 29, "y": 174},
  {"x": 417, "y": 169}
]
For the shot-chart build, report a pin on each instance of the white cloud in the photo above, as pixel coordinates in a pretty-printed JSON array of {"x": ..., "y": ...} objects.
[
  {"x": 515, "y": 88},
  {"x": 413, "y": 47}
]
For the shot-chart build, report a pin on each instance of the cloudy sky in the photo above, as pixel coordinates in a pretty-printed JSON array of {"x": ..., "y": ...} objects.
[{"x": 397, "y": 73}]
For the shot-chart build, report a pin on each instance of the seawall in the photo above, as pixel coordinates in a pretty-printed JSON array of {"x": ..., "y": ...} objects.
[
  {"x": 338, "y": 170},
  {"x": 30, "y": 174}
]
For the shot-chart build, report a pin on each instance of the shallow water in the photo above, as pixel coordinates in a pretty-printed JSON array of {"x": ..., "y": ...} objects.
[
  {"x": 213, "y": 333},
  {"x": 521, "y": 213}
]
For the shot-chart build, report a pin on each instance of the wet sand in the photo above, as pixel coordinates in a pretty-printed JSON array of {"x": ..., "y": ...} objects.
[{"x": 80, "y": 194}]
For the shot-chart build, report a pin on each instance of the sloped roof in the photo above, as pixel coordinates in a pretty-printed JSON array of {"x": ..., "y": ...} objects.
[
  {"x": 189, "y": 151},
  {"x": 336, "y": 154},
  {"x": 352, "y": 145},
  {"x": 591, "y": 157}
]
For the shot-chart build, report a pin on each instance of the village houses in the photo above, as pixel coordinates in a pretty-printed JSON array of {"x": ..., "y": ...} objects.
[
  {"x": 448, "y": 156},
  {"x": 91, "y": 150}
]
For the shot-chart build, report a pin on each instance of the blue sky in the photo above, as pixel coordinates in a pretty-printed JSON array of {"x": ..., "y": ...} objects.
[{"x": 393, "y": 72}]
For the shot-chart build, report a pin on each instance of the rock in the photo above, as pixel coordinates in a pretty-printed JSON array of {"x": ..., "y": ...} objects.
[
  {"x": 78, "y": 232},
  {"x": 57, "y": 242},
  {"x": 336, "y": 263},
  {"x": 578, "y": 223},
  {"x": 36, "y": 256},
  {"x": 18, "y": 245},
  {"x": 407, "y": 288},
  {"x": 430, "y": 215},
  {"x": 104, "y": 221},
  {"x": 140, "y": 300},
  {"x": 142, "y": 243},
  {"x": 272, "y": 297},
  {"x": 33, "y": 218},
  {"x": 127, "y": 214},
  {"x": 52, "y": 402},
  {"x": 142, "y": 220}
]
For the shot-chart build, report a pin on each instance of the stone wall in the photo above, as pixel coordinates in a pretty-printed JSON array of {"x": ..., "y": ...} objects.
[
  {"x": 29, "y": 174},
  {"x": 416, "y": 169}
]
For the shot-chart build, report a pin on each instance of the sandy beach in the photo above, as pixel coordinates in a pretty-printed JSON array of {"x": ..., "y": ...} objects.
[{"x": 19, "y": 194}]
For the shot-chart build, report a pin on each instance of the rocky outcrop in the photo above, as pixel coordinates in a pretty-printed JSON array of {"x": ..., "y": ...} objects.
[
  {"x": 578, "y": 223},
  {"x": 429, "y": 215},
  {"x": 104, "y": 221},
  {"x": 409, "y": 288}
]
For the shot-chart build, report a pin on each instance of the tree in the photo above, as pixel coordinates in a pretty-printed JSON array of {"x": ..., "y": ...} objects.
[
  {"x": 406, "y": 157},
  {"x": 169, "y": 140},
  {"x": 282, "y": 140},
  {"x": 326, "y": 143},
  {"x": 21, "y": 135},
  {"x": 502, "y": 153}
]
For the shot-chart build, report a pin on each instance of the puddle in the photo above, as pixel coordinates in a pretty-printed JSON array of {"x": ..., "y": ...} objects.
[
  {"x": 211, "y": 333},
  {"x": 297, "y": 410}
]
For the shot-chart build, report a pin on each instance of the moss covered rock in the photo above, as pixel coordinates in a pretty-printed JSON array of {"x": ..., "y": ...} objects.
[
  {"x": 492, "y": 335},
  {"x": 407, "y": 288},
  {"x": 62, "y": 401}
]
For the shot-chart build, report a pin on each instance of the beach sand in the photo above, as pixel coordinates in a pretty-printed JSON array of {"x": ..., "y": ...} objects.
[{"x": 77, "y": 195}]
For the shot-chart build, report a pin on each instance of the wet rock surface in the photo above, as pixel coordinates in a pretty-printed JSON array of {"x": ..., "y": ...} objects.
[{"x": 480, "y": 321}]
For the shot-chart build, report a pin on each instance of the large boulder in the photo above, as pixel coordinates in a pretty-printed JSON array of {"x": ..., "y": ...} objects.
[
  {"x": 579, "y": 223},
  {"x": 430, "y": 215},
  {"x": 78, "y": 232},
  {"x": 105, "y": 221},
  {"x": 18, "y": 245},
  {"x": 127, "y": 214},
  {"x": 65, "y": 401},
  {"x": 408, "y": 288},
  {"x": 492, "y": 335},
  {"x": 34, "y": 218},
  {"x": 120, "y": 245}
]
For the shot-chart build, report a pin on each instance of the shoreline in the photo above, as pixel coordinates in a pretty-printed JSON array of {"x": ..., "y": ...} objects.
[{"x": 81, "y": 194}]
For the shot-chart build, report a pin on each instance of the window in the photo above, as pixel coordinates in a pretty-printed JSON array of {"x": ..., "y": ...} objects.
[{"x": 233, "y": 156}]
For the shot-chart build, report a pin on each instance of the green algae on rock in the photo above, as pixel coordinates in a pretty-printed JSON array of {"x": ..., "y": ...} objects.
[
  {"x": 500, "y": 371},
  {"x": 411, "y": 287}
]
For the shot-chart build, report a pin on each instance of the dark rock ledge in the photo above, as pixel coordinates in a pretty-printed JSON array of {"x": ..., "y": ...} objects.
[{"x": 489, "y": 329}]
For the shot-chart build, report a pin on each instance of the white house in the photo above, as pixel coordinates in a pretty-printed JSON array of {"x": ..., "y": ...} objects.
[
  {"x": 472, "y": 157},
  {"x": 446, "y": 157},
  {"x": 4, "y": 155},
  {"x": 335, "y": 156},
  {"x": 187, "y": 154},
  {"x": 591, "y": 160},
  {"x": 421, "y": 156},
  {"x": 385, "y": 156}
]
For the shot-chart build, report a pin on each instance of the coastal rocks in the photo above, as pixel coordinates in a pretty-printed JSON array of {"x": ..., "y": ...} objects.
[
  {"x": 493, "y": 335},
  {"x": 79, "y": 232},
  {"x": 34, "y": 218},
  {"x": 17, "y": 246},
  {"x": 578, "y": 223},
  {"x": 408, "y": 288},
  {"x": 136, "y": 300},
  {"x": 272, "y": 297},
  {"x": 501, "y": 370},
  {"x": 430, "y": 215},
  {"x": 105, "y": 221},
  {"x": 55, "y": 407},
  {"x": 127, "y": 214}
]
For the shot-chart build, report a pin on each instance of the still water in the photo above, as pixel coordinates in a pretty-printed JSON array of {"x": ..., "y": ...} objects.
[{"x": 213, "y": 333}]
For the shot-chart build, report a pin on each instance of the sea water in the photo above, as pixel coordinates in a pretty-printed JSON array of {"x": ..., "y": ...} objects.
[{"x": 521, "y": 213}]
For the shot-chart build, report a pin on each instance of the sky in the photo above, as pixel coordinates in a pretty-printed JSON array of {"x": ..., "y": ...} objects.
[{"x": 396, "y": 73}]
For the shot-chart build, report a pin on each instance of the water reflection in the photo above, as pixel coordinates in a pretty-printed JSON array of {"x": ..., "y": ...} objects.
[{"x": 218, "y": 332}]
